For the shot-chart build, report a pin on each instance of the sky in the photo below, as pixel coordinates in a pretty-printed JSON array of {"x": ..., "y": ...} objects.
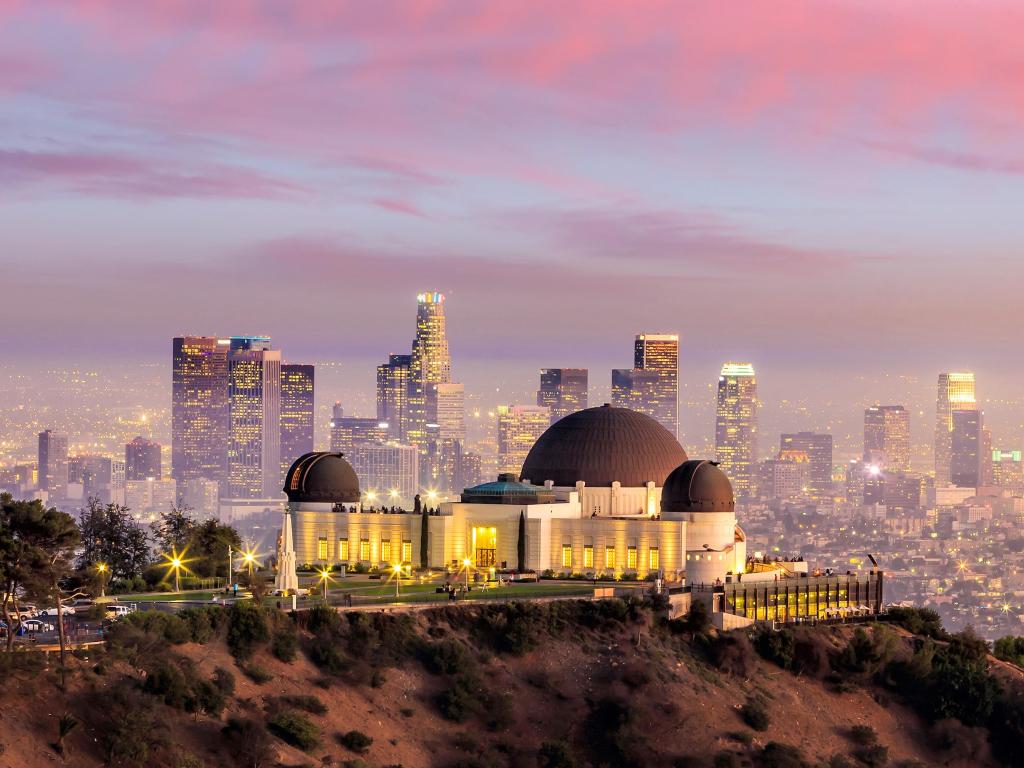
[{"x": 826, "y": 189}]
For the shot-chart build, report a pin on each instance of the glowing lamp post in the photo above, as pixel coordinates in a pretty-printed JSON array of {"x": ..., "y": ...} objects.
[
  {"x": 325, "y": 576},
  {"x": 466, "y": 564},
  {"x": 396, "y": 569},
  {"x": 176, "y": 565},
  {"x": 102, "y": 569}
]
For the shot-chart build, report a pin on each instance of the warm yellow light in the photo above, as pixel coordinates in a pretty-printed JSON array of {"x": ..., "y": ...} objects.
[
  {"x": 397, "y": 568},
  {"x": 467, "y": 562},
  {"x": 371, "y": 495},
  {"x": 324, "y": 574},
  {"x": 431, "y": 494},
  {"x": 101, "y": 567},
  {"x": 393, "y": 493},
  {"x": 249, "y": 557},
  {"x": 176, "y": 562}
]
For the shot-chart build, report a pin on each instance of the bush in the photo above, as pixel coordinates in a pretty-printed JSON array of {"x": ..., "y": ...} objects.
[
  {"x": 249, "y": 741},
  {"x": 872, "y": 755},
  {"x": 284, "y": 644},
  {"x": 555, "y": 754},
  {"x": 863, "y": 735},
  {"x": 224, "y": 680},
  {"x": 295, "y": 729},
  {"x": 355, "y": 741},
  {"x": 755, "y": 714},
  {"x": 776, "y": 755},
  {"x": 257, "y": 674},
  {"x": 307, "y": 703},
  {"x": 203, "y": 623},
  {"x": 247, "y": 629},
  {"x": 733, "y": 654},
  {"x": 919, "y": 621},
  {"x": 447, "y": 657},
  {"x": 1010, "y": 649},
  {"x": 131, "y": 729},
  {"x": 698, "y": 620}
]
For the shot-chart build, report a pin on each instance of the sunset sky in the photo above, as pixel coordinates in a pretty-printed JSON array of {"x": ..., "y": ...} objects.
[{"x": 808, "y": 185}]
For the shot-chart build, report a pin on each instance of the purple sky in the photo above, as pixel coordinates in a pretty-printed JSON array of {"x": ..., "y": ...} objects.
[{"x": 814, "y": 186}]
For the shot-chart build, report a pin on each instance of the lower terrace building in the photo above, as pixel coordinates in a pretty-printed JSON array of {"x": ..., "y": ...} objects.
[{"x": 605, "y": 492}]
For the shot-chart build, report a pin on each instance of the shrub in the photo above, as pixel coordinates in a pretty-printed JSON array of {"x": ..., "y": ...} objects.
[
  {"x": 733, "y": 654},
  {"x": 1010, "y": 649},
  {"x": 224, "y": 680},
  {"x": 698, "y": 620},
  {"x": 447, "y": 657},
  {"x": 920, "y": 621},
  {"x": 307, "y": 703},
  {"x": 872, "y": 755},
  {"x": 459, "y": 700},
  {"x": 257, "y": 674},
  {"x": 247, "y": 628},
  {"x": 725, "y": 759},
  {"x": 284, "y": 644},
  {"x": 249, "y": 741},
  {"x": 203, "y": 623},
  {"x": 755, "y": 714},
  {"x": 295, "y": 729},
  {"x": 555, "y": 754},
  {"x": 776, "y": 755},
  {"x": 131, "y": 729},
  {"x": 864, "y": 735},
  {"x": 745, "y": 738},
  {"x": 355, "y": 741}
]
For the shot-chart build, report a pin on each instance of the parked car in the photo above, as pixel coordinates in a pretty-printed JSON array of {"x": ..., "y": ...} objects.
[
  {"x": 118, "y": 610},
  {"x": 82, "y": 601},
  {"x": 35, "y": 625},
  {"x": 67, "y": 610}
]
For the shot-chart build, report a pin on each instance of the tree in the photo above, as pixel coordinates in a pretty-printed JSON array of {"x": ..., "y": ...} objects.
[
  {"x": 424, "y": 537},
  {"x": 110, "y": 535},
  {"x": 174, "y": 529},
  {"x": 208, "y": 548},
  {"x": 15, "y": 558},
  {"x": 521, "y": 544}
]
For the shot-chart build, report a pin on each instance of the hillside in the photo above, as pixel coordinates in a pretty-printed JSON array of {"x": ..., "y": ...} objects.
[{"x": 569, "y": 683}]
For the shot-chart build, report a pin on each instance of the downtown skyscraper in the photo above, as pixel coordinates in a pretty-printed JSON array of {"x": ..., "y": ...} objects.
[
  {"x": 651, "y": 386},
  {"x": 955, "y": 393},
  {"x": 393, "y": 394},
  {"x": 562, "y": 391},
  {"x": 887, "y": 437},
  {"x": 430, "y": 364},
  {"x": 53, "y": 464},
  {"x": 736, "y": 425},
  {"x": 297, "y": 406},
  {"x": 199, "y": 408},
  {"x": 254, "y": 426}
]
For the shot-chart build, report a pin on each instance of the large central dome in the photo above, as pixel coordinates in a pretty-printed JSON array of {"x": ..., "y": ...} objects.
[{"x": 602, "y": 445}]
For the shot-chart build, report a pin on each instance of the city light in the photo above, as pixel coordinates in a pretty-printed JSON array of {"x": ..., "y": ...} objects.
[
  {"x": 325, "y": 577},
  {"x": 176, "y": 562}
]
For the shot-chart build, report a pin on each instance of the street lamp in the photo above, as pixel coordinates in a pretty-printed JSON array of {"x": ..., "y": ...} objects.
[
  {"x": 325, "y": 576},
  {"x": 249, "y": 558},
  {"x": 176, "y": 565},
  {"x": 396, "y": 569},
  {"x": 176, "y": 561},
  {"x": 466, "y": 564},
  {"x": 102, "y": 570}
]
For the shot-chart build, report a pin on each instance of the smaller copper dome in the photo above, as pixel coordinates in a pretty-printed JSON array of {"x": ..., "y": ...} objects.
[
  {"x": 323, "y": 478},
  {"x": 697, "y": 486}
]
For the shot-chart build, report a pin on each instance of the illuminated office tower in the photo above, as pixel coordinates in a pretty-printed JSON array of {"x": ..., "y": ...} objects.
[
  {"x": 102, "y": 478},
  {"x": 519, "y": 426},
  {"x": 1008, "y": 471},
  {"x": 142, "y": 459},
  {"x": 659, "y": 352},
  {"x": 887, "y": 437},
  {"x": 53, "y": 464},
  {"x": 736, "y": 425},
  {"x": 430, "y": 364},
  {"x": 199, "y": 408},
  {"x": 296, "y": 413},
  {"x": 393, "y": 394},
  {"x": 254, "y": 428},
  {"x": 818, "y": 449},
  {"x": 450, "y": 411},
  {"x": 966, "y": 443},
  {"x": 348, "y": 431},
  {"x": 388, "y": 471},
  {"x": 563, "y": 391},
  {"x": 635, "y": 388},
  {"x": 956, "y": 392}
]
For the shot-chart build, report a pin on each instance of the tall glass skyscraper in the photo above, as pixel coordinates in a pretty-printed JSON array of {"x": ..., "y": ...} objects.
[
  {"x": 430, "y": 364},
  {"x": 736, "y": 425},
  {"x": 199, "y": 408},
  {"x": 818, "y": 447},
  {"x": 142, "y": 459},
  {"x": 297, "y": 389},
  {"x": 519, "y": 426},
  {"x": 563, "y": 391},
  {"x": 887, "y": 437},
  {"x": 955, "y": 393},
  {"x": 393, "y": 394},
  {"x": 659, "y": 352},
  {"x": 254, "y": 429},
  {"x": 53, "y": 464}
]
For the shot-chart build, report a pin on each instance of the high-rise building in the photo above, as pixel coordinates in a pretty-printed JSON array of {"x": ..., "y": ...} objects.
[
  {"x": 736, "y": 425},
  {"x": 53, "y": 464},
  {"x": 142, "y": 459},
  {"x": 202, "y": 496},
  {"x": 430, "y": 364},
  {"x": 956, "y": 392},
  {"x": 254, "y": 429},
  {"x": 887, "y": 437},
  {"x": 966, "y": 448},
  {"x": 519, "y": 426},
  {"x": 148, "y": 498},
  {"x": 791, "y": 475},
  {"x": 1008, "y": 471},
  {"x": 563, "y": 391},
  {"x": 635, "y": 388},
  {"x": 199, "y": 408},
  {"x": 659, "y": 352},
  {"x": 347, "y": 431},
  {"x": 450, "y": 411},
  {"x": 393, "y": 394},
  {"x": 388, "y": 471},
  {"x": 818, "y": 449},
  {"x": 296, "y": 413}
]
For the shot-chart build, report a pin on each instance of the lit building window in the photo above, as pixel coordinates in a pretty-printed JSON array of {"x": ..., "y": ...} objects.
[
  {"x": 385, "y": 551},
  {"x": 406, "y": 551},
  {"x": 566, "y": 556},
  {"x": 364, "y": 549},
  {"x": 321, "y": 548},
  {"x": 654, "y": 559},
  {"x": 588, "y": 557},
  {"x": 609, "y": 557},
  {"x": 631, "y": 558},
  {"x": 343, "y": 550}
]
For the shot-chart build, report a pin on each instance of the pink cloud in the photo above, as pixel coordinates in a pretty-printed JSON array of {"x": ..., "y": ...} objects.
[
  {"x": 125, "y": 176},
  {"x": 964, "y": 161},
  {"x": 398, "y": 206}
]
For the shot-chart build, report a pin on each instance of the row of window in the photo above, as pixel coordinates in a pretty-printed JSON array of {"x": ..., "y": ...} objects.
[
  {"x": 323, "y": 550},
  {"x": 610, "y": 559}
]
